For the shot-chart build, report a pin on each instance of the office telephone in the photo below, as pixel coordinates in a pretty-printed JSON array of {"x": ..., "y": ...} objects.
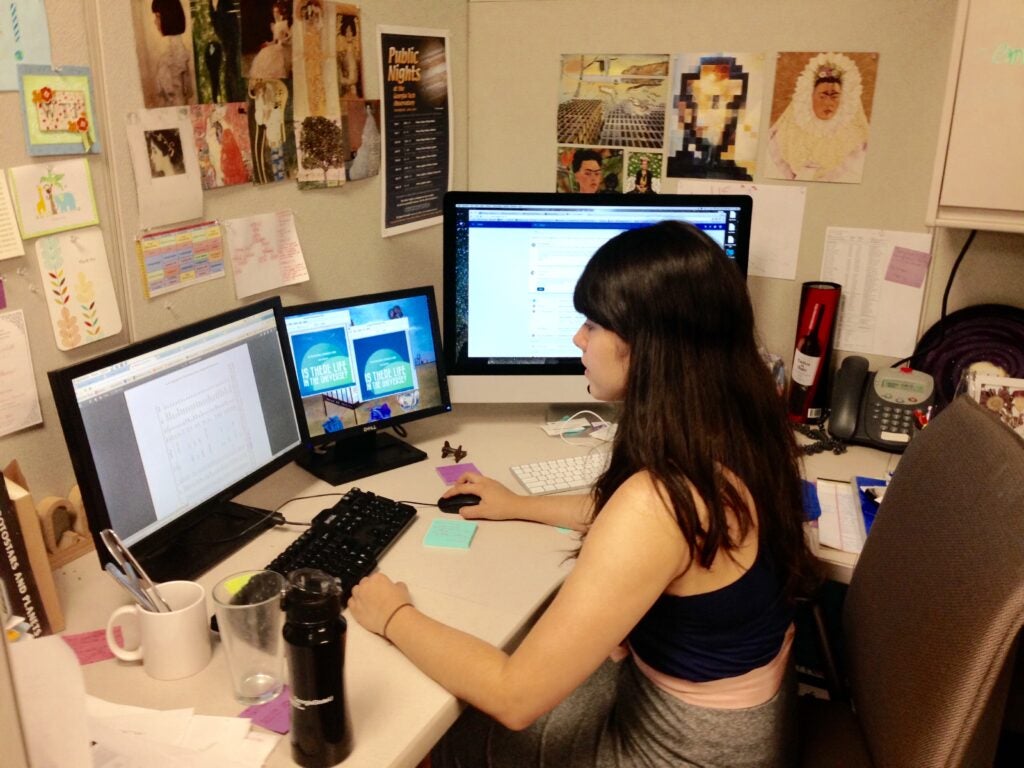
[{"x": 876, "y": 408}]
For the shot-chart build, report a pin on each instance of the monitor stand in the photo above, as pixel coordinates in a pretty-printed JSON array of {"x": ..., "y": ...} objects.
[
  {"x": 227, "y": 528},
  {"x": 358, "y": 456}
]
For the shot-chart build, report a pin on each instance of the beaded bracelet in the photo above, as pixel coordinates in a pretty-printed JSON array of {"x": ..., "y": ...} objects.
[{"x": 384, "y": 629}]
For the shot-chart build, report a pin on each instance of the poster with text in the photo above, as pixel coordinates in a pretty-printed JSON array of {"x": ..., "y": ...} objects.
[{"x": 417, "y": 131}]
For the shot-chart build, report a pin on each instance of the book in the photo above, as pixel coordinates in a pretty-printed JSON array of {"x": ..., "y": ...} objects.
[{"x": 26, "y": 582}]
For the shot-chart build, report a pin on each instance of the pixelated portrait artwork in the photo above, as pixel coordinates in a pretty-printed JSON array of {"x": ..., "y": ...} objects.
[
  {"x": 613, "y": 100},
  {"x": 821, "y": 114},
  {"x": 716, "y": 109}
]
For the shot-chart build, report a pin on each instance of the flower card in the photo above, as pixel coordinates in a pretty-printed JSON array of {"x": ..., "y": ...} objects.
[{"x": 58, "y": 110}]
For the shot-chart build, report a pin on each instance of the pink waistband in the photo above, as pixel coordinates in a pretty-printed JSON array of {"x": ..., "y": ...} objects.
[{"x": 747, "y": 690}]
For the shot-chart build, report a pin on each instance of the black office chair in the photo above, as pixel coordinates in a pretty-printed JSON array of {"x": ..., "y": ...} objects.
[{"x": 931, "y": 620}]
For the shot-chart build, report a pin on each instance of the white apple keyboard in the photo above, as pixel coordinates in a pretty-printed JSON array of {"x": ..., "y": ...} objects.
[{"x": 569, "y": 474}]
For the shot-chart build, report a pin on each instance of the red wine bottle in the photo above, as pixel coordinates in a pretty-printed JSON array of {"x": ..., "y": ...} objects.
[{"x": 806, "y": 360}]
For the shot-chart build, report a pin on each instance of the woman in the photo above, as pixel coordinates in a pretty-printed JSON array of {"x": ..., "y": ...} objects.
[
  {"x": 274, "y": 59},
  {"x": 692, "y": 548},
  {"x": 172, "y": 77},
  {"x": 823, "y": 133}
]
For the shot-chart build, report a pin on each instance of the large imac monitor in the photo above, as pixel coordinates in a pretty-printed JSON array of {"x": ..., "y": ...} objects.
[
  {"x": 359, "y": 366},
  {"x": 164, "y": 432},
  {"x": 511, "y": 262}
]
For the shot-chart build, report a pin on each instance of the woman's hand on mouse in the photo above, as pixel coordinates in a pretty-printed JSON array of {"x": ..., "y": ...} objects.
[
  {"x": 375, "y": 598},
  {"x": 496, "y": 501}
]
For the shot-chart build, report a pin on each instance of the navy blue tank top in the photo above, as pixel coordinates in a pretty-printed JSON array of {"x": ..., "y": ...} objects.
[{"x": 718, "y": 634}]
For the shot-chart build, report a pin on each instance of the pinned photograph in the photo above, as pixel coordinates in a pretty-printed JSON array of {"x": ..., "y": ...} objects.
[
  {"x": 165, "y": 164},
  {"x": 163, "y": 44},
  {"x": 221, "y": 133},
  {"x": 715, "y": 117},
  {"x": 588, "y": 170},
  {"x": 821, "y": 113}
]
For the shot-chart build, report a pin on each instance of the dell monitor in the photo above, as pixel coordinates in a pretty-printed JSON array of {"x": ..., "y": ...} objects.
[
  {"x": 511, "y": 262},
  {"x": 164, "y": 432},
  {"x": 357, "y": 367}
]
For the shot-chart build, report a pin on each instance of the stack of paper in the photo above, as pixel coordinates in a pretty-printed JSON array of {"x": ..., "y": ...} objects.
[
  {"x": 847, "y": 511},
  {"x": 134, "y": 736}
]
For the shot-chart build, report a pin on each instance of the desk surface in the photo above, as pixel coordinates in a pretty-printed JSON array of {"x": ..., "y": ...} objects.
[{"x": 493, "y": 590}]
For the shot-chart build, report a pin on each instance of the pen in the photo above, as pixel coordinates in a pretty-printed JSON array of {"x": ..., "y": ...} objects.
[
  {"x": 128, "y": 562},
  {"x": 137, "y": 594}
]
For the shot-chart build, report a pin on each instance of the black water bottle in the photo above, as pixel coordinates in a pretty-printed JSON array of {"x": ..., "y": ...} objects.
[{"x": 314, "y": 631}]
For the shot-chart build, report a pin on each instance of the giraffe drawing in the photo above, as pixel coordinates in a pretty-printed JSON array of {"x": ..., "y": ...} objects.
[{"x": 41, "y": 205}]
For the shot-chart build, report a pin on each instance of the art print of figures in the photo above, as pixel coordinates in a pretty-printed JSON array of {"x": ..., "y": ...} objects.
[
  {"x": 270, "y": 126},
  {"x": 310, "y": 81},
  {"x": 221, "y": 134},
  {"x": 75, "y": 276},
  {"x": 166, "y": 156},
  {"x": 716, "y": 110},
  {"x": 266, "y": 39},
  {"x": 589, "y": 170},
  {"x": 163, "y": 40},
  {"x": 362, "y": 123},
  {"x": 216, "y": 38},
  {"x": 613, "y": 100},
  {"x": 821, "y": 114},
  {"x": 58, "y": 110},
  {"x": 53, "y": 197},
  {"x": 348, "y": 48},
  {"x": 643, "y": 173}
]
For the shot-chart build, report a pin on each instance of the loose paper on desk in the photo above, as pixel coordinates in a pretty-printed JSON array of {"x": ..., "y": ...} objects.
[
  {"x": 779, "y": 220},
  {"x": 883, "y": 275},
  {"x": 264, "y": 252},
  {"x": 19, "y": 400},
  {"x": 841, "y": 525}
]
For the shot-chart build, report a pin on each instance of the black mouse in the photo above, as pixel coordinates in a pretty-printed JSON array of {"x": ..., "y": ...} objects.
[{"x": 454, "y": 503}]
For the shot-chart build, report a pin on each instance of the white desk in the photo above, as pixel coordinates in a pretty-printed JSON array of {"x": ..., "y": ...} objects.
[{"x": 493, "y": 590}]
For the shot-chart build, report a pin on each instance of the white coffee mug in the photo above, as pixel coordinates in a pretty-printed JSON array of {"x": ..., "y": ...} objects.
[{"x": 172, "y": 644}]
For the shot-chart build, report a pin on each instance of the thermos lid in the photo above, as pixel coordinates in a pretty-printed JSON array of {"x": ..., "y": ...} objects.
[{"x": 313, "y": 597}]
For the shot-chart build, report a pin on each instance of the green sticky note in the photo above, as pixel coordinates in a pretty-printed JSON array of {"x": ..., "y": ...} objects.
[{"x": 452, "y": 534}]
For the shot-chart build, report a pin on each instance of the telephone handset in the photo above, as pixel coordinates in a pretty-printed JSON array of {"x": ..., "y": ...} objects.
[{"x": 877, "y": 408}]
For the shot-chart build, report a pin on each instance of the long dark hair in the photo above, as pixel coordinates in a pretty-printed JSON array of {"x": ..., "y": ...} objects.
[{"x": 699, "y": 398}]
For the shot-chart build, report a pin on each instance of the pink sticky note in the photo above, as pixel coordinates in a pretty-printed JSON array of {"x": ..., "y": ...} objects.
[
  {"x": 92, "y": 646},
  {"x": 275, "y": 715},
  {"x": 3, "y": 296},
  {"x": 908, "y": 267},
  {"x": 451, "y": 473}
]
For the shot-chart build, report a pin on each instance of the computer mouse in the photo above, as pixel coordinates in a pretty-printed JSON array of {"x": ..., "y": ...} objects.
[{"x": 454, "y": 503}]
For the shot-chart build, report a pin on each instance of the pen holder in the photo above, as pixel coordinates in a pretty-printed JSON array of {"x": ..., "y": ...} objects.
[{"x": 171, "y": 644}]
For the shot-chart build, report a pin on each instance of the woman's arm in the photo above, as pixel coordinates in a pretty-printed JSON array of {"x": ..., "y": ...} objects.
[
  {"x": 632, "y": 552},
  {"x": 499, "y": 503}
]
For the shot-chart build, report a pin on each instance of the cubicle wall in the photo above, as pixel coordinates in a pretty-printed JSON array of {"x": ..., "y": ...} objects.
[
  {"x": 504, "y": 58},
  {"x": 339, "y": 229},
  {"x": 514, "y": 58}
]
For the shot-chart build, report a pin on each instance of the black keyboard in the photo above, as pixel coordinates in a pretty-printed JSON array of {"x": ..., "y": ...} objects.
[{"x": 348, "y": 539}]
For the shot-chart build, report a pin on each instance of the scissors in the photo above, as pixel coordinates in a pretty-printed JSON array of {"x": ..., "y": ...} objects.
[{"x": 131, "y": 575}]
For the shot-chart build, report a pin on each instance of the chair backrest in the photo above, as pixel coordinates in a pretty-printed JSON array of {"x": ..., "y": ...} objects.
[{"x": 936, "y": 601}]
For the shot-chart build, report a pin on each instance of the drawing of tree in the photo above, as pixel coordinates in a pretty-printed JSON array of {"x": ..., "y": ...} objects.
[{"x": 322, "y": 144}]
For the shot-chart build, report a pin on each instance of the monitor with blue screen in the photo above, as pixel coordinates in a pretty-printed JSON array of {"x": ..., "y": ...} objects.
[
  {"x": 511, "y": 261},
  {"x": 358, "y": 366}
]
